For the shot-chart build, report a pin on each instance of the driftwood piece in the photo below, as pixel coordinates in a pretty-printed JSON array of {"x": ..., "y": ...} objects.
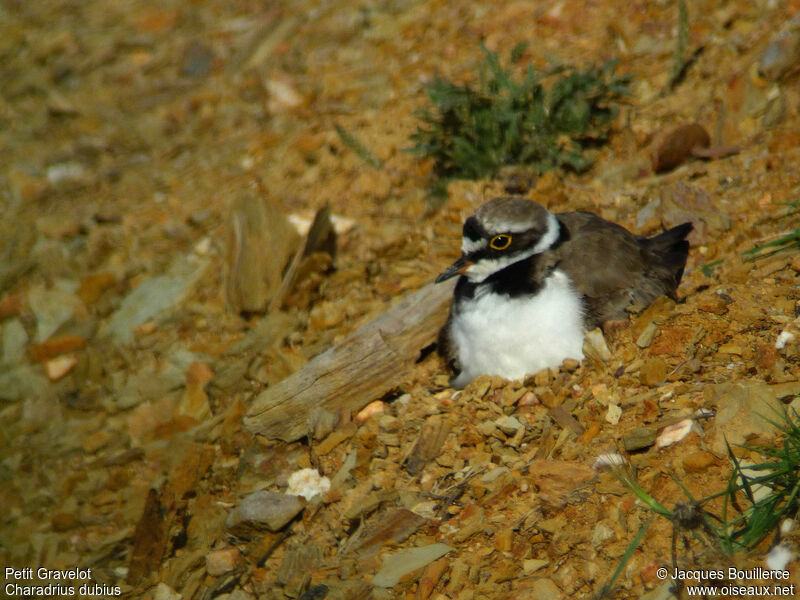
[{"x": 362, "y": 368}]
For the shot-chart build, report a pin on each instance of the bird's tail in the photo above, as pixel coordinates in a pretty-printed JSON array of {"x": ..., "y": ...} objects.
[{"x": 673, "y": 249}]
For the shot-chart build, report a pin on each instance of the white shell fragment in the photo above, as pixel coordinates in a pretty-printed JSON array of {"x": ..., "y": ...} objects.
[
  {"x": 609, "y": 461},
  {"x": 788, "y": 335},
  {"x": 674, "y": 433},
  {"x": 614, "y": 413},
  {"x": 308, "y": 483},
  {"x": 780, "y": 556}
]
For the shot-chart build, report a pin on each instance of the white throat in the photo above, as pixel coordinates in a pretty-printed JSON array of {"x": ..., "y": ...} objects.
[{"x": 511, "y": 337}]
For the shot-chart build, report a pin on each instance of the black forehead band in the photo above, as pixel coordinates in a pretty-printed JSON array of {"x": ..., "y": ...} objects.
[{"x": 473, "y": 229}]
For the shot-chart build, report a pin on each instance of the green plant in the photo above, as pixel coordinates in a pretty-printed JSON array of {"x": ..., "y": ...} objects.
[
  {"x": 762, "y": 494},
  {"x": 785, "y": 242},
  {"x": 360, "y": 149},
  {"x": 770, "y": 488},
  {"x": 473, "y": 131}
]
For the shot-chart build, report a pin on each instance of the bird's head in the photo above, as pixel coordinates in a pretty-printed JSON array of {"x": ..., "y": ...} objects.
[{"x": 500, "y": 233}]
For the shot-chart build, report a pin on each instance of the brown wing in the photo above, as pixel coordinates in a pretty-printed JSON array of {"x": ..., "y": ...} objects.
[{"x": 612, "y": 268}]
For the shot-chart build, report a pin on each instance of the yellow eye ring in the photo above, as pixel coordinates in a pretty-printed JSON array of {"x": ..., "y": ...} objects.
[{"x": 500, "y": 242}]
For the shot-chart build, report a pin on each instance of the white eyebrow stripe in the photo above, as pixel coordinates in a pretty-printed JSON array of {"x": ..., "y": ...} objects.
[
  {"x": 550, "y": 235},
  {"x": 469, "y": 246}
]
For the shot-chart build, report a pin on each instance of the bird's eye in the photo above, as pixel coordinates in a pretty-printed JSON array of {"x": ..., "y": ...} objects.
[{"x": 500, "y": 242}]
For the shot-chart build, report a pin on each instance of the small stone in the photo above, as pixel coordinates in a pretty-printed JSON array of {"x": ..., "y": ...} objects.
[
  {"x": 672, "y": 148},
  {"x": 63, "y": 521},
  {"x": 486, "y": 428},
  {"x": 782, "y": 54},
  {"x": 222, "y": 561},
  {"x": 13, "y": 341},
  {"x": 509, "y": 425},
  {"x": 335, "y": 438},
  {"x": 698, "y": 462},
  {"x": 545, "y": 588},
  {"x": 52, "y": 308},
  {"x": 55, "y": 346},
  {"x": 263, "y": 510},
  {"x": 396, "y": 565},
  {"x": 92, "y": 287},
  {"x": 594, "y": 346},
  {"x": 613, "y": 414},
  {"x": 92, "y": 443},
  {"x": 647, "y": 336},
  {"x": 389, "y": 424},
  {"x": 639, "y": 438},
  {"x": 570, "y": 365},
  {"x": 164, "y": 592},
  {"x": 57, "y": 368},
  {"x": 531, "y": 565},
  {"x": 12, "y": 305},
  {"x": 653, "y": 372},
  {"x": 321, "y": 422},
  {"x": 542, "y": 378},
  {"x": 601, "y": 534},
  {"x": 372, "y": 409},
  {"x": 155, "y": 296},
  {"x": 715, "y": 305}
]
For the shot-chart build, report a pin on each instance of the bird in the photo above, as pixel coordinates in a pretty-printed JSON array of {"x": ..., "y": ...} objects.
[{"x": 532, "y": 283}]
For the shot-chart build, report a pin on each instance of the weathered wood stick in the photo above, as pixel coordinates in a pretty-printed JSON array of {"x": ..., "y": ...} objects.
[{"x": 360, "y": 369}]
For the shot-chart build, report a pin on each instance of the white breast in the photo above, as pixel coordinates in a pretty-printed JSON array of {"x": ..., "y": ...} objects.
[{"x": 512, "y": 337}]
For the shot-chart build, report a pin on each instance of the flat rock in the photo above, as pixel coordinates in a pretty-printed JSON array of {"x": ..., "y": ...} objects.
[
  {"x": 154, "y": 297},
  {"x": 401, "y": 563},
  {"x": 263, "y": 510},
  {"x": 639, "y": 438},
  {"x": 14, "y": 341},
  {"x": 743, "y": 410},
  {"x": 222, "y": 561},
  {"x": 653, "y": 372},
  {"x": 52, "y": 307},
  {"x": 23, "y": 381}
]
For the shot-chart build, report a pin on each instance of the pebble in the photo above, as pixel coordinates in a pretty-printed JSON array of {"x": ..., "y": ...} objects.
[
  {"x": 222, "y": 561},
  {"x": 155, "y": 296},
  {"x": 594, "y": 345},
  {"x": 52, "y": 308},
  {"x": 164, "y": 592},
  {"x": 601, "y": 534},
  {"x": 335, "y": 438},
  {"x": 57, "y": 368},
  {"x": 373, "y": 409},
  {"x": 13, "y": 342},
  {"x": 697, "y": 462},
  {"x": 92, "y": 286},
  {"x": 509, "y": 425},
  {"x": 647, "y": 336},
  {"x": 673, "y": 147},
  {"x": 263, "y": 510},
  {"x": 403, "y": 562},
  {"x": 613, "y": 414},
  {"x": 782, "y": 54},
  {"x": 531, "y": 565},
  {"x": 55, "y": 346},
  {"x": 542, "y": 588},
  {"x": 639, "y": 438},
  {"x": 653, "y": 372}
]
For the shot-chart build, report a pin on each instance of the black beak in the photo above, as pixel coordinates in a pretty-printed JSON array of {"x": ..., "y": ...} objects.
[{"x": 457, "y": 268}]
